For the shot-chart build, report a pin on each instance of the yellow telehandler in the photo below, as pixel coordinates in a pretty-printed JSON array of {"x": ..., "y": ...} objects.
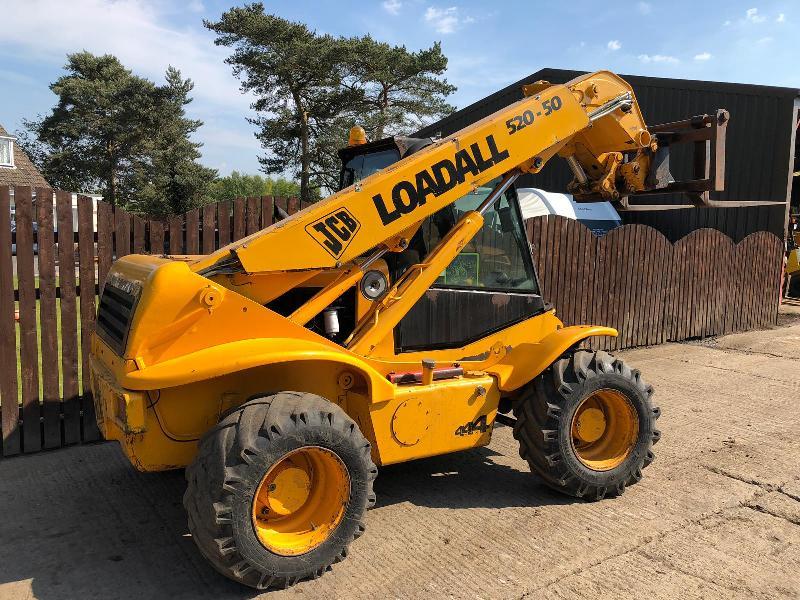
[{"x": 281, "y": 369}]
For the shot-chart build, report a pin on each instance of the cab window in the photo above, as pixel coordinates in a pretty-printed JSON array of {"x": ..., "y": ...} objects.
[
  {"x": 363, "y": 165},
  {"x": 497, "y": 258}
]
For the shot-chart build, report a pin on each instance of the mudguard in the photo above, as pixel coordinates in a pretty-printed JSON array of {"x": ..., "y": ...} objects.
[
  {"x": 240, "y": 355},
  {"x": 526, "y": 361}
]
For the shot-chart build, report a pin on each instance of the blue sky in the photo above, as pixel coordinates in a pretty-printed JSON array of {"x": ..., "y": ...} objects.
[{"x": 489, "y": 44}]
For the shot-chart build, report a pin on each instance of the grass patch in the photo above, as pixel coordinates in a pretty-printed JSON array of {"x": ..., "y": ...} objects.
[{"x": 59, "y": 347}]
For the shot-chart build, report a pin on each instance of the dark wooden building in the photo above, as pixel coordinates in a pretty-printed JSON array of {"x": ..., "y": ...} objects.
[{"x": 760, "y": 154}]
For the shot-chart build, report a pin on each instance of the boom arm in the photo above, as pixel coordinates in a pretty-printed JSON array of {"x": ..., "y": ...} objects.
[{"x": 593, "y": 122}]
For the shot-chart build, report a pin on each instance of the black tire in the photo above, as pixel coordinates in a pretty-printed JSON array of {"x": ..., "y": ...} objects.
[
  {"x": 231, "y": 462},
  {"x": 545, "y": 410}
]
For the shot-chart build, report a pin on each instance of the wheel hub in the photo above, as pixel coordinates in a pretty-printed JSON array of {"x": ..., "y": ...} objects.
[
  {"x": 301, "y": 500},
  {"x": 288, "y": 490},
  {"x": 604, "y": 429},
  {"x": 590, "y": 425}
]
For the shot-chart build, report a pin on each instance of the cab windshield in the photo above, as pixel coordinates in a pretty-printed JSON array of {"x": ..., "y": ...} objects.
[{"x": 363, "y": 165}]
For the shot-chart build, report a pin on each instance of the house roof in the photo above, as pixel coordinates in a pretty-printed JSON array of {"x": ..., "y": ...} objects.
[{"x": 23, "y": 173}]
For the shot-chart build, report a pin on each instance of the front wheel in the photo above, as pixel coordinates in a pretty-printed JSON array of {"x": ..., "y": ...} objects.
[
  {"x": 586, "y": 425},
  {"x": 279, "y": 489}
]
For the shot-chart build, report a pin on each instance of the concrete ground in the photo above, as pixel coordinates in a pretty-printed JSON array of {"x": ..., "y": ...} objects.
[{"x": 716, "y": 516}]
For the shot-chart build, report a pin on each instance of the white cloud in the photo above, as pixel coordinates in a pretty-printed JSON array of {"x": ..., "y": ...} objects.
[
  {"x": 644, "y": 7},
  {"x": 196, "y": 6},
  {"x": 392, "y": 6},
  {"x": 658, "y": 58},
  {"x": 726, "y": 23},
  {"x": 752, "y": 15},
  {"x": 443, "y": 20},
  {"x": 781, "y": 18},
  {"x": 764, "y": 40},
  {"x": 614, "y": 45},
  {"x": 702, "y": 56},
  {"x": 136, "y": 31}
]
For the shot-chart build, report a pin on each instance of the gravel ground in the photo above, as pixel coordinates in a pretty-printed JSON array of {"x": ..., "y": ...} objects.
[{"x": 716, "y": 516}]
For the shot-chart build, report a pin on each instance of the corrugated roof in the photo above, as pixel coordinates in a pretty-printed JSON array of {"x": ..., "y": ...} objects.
[
  {"x": 759, "y": 152},
  {"x": 23, "y": 173}
]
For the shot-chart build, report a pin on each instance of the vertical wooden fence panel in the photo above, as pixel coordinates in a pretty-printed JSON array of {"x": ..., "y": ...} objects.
[
  {"x": 253, "y": 214},
  {"x": 771, "y": 277},
  {"x": 28, "y": 354},
  {"x": 69, "y": 318},
  {"x": 193, "y": 232},
  {"x": 607, "y": 285},
  {"x": 282, "y": 203},
  {"x": 587, "y": 257},
  {"x": 51, "y": 396},
  {"x": 105, "y": 241},
  {"x": 758, "y": 278},
  {"x": 675, "y": 295},
  {"x": 560, "y": 249},
  {"x": 156, "y": 237},
  {"x": 122, "y": 233},
  {"x": 224, "y": 223},
  {"x": 138, "y": 239},
  {"x": 266, "y": 211},
  {"x": 239, "y": 226},
  {"x": 9, "y": 390},
  {"x": 86, "y": 274},
  {"x": 594, "y": 313},
  {"x": 209, "y": 226},
  {"x": 176, "y": 235}
]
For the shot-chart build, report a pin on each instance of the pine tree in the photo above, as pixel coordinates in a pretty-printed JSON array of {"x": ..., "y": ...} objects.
[
  {"x": 122, "y": 136},
  {"x": 311, "y": 88},
  {"x": 401, "y": 90},
  {"x": 296, "y": 76},
  {"x": 175, "y": 181}
]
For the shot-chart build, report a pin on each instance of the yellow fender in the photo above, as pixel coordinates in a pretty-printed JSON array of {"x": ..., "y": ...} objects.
[
  {"x": 528, "y": 360},
  {"x": 246, "y": 354}
]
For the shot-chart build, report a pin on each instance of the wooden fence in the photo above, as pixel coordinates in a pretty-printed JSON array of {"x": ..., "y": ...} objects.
[
  {"x": 632, "y": 279},
  {"x": 654, "y": 291}
]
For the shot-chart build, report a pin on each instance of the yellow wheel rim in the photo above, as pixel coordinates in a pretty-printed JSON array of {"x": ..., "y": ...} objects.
[
  {"x": 604, "y": 429},
  {"x": 301, "y": 500}
]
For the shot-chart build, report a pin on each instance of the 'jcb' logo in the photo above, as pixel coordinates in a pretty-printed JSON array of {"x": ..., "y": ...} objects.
[{"x": 334, "y": 231}]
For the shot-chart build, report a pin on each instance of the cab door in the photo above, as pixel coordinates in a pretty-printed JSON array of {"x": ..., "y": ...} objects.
[{"x": 490, "y": 285}]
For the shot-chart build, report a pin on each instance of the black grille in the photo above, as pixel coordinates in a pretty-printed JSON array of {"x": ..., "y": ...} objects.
[{"x": 114, "y": 316}]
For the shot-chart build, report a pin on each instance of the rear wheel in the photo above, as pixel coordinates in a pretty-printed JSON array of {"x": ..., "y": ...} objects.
[
  {"x": 586, "y": 425},
  {"x": 279, "y": 489}
]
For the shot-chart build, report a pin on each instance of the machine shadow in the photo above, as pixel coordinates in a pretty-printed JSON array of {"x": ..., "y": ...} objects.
[{"x": 470, "y": 479}]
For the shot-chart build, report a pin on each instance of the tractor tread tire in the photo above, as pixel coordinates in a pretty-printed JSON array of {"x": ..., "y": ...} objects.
[
  {"x": 544, "y": 413},
  {"x": 231, "y": 460}
]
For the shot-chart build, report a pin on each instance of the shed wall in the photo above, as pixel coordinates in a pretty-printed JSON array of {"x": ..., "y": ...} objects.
[{"x": 759, "y": 152}]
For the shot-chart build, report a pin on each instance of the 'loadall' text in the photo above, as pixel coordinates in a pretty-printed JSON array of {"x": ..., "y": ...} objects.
[{"x": 438, "y": 179}]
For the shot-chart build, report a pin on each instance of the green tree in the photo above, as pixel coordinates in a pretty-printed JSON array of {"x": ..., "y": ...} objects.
[
  {"x": 238, "y": 185},
  {"x": 176, "y": 182},
  {"x": 296, "y": 76},
  {"x": 398, "y": 91},
  {"x": 401, "y": 90},
  {"x": 311, "y": 88},
  {"x": 94, "y": 138},
  {"x": 121, "y": 135}
]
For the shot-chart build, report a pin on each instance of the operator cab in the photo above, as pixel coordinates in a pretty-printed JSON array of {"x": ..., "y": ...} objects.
[{"x": 488, "y": 286}]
